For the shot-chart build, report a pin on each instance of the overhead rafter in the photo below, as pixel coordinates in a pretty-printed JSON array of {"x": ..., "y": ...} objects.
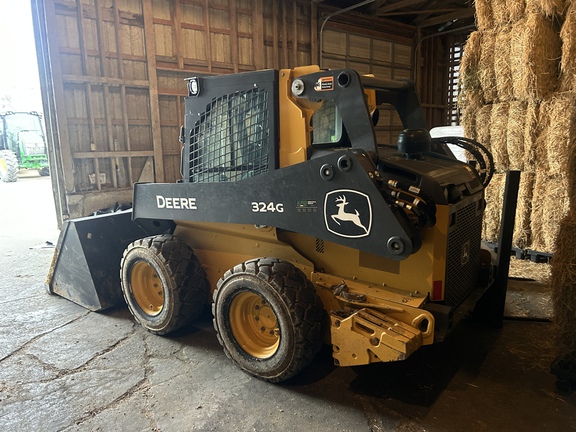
[
  {"x": 398, "y": 5},
  {"x": 463, "y": 13}
]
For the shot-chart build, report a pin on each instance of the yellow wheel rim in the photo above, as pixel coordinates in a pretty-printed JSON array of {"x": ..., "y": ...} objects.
[
  {"x": 254, "y": 325},
  {"x": 147, "y": 288}
]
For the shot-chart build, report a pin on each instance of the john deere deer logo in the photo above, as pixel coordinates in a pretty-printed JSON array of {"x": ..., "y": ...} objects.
[{"x": 348, "y": 213}]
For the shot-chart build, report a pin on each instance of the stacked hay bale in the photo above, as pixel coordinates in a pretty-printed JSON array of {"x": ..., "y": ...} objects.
[
  {"x": 535, "y": 81},
  {"x": 511, "y": 102}
]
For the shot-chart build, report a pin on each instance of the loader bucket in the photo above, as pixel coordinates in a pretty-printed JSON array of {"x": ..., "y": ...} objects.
[{"x": 86, "y": 264}]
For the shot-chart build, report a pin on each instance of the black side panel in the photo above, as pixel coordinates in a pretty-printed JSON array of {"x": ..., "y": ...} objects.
[
  {"x": 335, "y": 197},
  {"x": 86, "y": 264}
]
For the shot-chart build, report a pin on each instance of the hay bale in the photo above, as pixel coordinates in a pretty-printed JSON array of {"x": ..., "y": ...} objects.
[
  {"x": 516, "y": 52},
  {"x": 548, "y": 8},
  {"x": 502, "y": 69},
  {"x": 494, "y": 195},
  {"x": 500, "y": 12},
  {"x": 482, "y": 125},
  {"x": 515, "y": 134},
  {"x": 522, "y": 234},
  {"x": 560, "y": 132},
  {"x": 535, "y": 58},
  {"x": 498, "y": 133},
  {"x": 486, "y": 71},
  {"x": 532, "y": 130},
  {"x": 563, "y": 286},
  {"x": 468, "y": 122},
  {"x": 484, "y": 18},
  {"x": 470, "y": 93},
  {"x": 550, "y": 204},
  {"x": 568, "y": 60},
  {"x": 516, "y": 9}
]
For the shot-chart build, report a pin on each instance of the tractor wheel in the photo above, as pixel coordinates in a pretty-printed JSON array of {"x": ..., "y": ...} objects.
[
  {"x": 163, "y": 283},
  {"x": 44, "y": 172},
  {"x": 8, "y": 166},
  {"x": 267, "y": 317}
]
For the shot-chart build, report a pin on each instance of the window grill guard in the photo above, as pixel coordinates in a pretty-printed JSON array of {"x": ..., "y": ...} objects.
[{"x": 230, "y": 140}]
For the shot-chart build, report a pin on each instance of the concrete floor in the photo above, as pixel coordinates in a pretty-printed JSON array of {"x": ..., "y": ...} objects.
[{"x": 63, "y": 368}]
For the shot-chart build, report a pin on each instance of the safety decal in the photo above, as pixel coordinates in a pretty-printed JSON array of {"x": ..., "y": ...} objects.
[
  {"x": 348, "y": 213},
  {"x": 324, "y": 84}
]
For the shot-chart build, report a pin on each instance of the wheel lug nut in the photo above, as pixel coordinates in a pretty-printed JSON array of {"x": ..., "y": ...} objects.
[
  {"x": 257, "y": 318},
  {"x": 262, "y": 328}
]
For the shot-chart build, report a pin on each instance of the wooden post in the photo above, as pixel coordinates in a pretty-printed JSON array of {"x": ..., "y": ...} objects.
[
  {"x": 150, "y": 44},
  {"x": 258, "y": 35}
]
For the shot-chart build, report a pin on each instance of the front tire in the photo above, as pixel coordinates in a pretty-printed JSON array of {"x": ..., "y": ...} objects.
[
  {"x": 8, "y": 166},
  {"x": 163, "y": 283},
  {"x": 267, "y": 317}
]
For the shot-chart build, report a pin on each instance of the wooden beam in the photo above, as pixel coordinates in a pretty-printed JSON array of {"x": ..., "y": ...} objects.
[
  {"x": 398, "y": 5},
  {"x": 314, "y": 34},
  {"x": 294, "y": 34},
  {"x": 275, "y": 35},
  {"x": 258, "y": 35},
  {"x": 285, "y": 59},
  {"x": 207, "y": 35},
  {"x": 178, "y": 33},
  {"x": 150, "y": 45},
  {"x": 234, "y": 35},
  {"x": 462, "y": 13}
]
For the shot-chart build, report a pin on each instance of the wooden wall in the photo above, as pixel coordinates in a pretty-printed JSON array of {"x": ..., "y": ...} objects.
[{"x": 113, "y": 73}]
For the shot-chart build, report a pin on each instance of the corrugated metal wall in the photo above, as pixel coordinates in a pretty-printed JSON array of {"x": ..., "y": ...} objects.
[{"x": 113, "y": 73}]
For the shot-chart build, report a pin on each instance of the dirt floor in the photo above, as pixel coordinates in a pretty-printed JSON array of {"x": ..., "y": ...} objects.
[{"x": 63, "y": 368}]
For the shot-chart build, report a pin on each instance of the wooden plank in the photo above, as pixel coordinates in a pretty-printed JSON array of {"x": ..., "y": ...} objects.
[
  {"x": 285, "y": 60},
  {"x": 110, "y": 132},
  {"x": 178, "y": 33},
  {"x": 126, "y": 131},
  {"x": 463, "y": 13},
  {"x": 258, "y": 34},
  {"x": 81, "y": 79},
  {"x": 234, "y": 35},
  {"x": 113, "y": 154},
  {"x": 294, "y": 34},
  {"x": 275, "y": 35},
  {"x": 150, "y": 46},
  {"x": 314, "y": 58},
  {"x": 398, "y": 5},
  {"x": 117, "y": 36},
  {"x": 207, "y": 35}
]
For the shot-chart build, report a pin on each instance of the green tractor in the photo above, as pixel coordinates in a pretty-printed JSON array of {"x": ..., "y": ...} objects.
[{"x": 22, "y": 144}]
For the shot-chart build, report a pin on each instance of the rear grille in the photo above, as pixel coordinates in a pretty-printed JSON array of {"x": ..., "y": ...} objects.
[{"x": 463, "y": 260}]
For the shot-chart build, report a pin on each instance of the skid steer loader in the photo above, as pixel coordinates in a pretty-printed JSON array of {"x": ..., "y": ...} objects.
[{"x": 300, "y": 228}]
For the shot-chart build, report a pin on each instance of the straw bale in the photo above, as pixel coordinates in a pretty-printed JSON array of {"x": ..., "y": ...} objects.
[
  {"x": 482, "y": 125},
  {"x": 468, "y": 122},
  {"x": 561, "y": 131},
  {"x": 516, "y": 52},
  {"x": 502, "y": 70},
  {"x": 549, "y": 8},
  {"x": 486, "y": 72},
  {"x": 515, "y": 134},
  {"x": 516, "y": 9},
  {"x": 563, "y": 286},
  {"x": 484, "y": 18},
  {"x": 468, "y": 78},
  {"x": 550, "y": 204},
  {"x": 532, "y": 130},
  {"x": 522, "y": 234},
  {"x": 498, "y": 133},
  {"x": 568, "y": 60},
  {"x": 494, "y": 195},
  {"x": 500, "y": 12},
  {"x": 535, "y": 54}
]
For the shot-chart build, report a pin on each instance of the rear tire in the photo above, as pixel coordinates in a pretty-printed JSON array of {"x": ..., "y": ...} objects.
[
  {"x": 44, "y": 172},
  {"x": 163, "y": 283},
  {"x": 8, "y": 166},
  {"x": 267, "y": 317}
]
